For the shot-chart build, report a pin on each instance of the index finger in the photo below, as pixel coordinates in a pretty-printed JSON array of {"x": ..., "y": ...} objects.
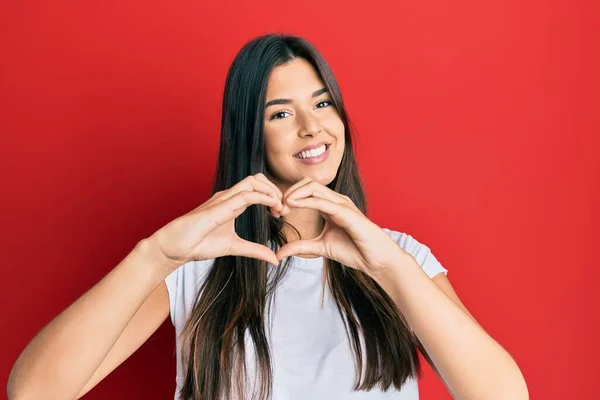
[
  {"x": 266, "y": 180},
  {"x": 296, "y": 185}
]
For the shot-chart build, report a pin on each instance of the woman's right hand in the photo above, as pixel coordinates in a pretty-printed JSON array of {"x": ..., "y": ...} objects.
[{"x": 209, "y": 231}]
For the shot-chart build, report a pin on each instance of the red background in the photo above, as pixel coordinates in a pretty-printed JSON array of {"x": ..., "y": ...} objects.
[{"x": 478, "y": 134}]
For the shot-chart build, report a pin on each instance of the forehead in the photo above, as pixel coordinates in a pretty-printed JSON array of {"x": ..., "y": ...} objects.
[{"x": 297, "y": 79}]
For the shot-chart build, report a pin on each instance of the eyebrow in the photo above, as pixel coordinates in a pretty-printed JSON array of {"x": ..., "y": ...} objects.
[{"x": 289, "y": 101}]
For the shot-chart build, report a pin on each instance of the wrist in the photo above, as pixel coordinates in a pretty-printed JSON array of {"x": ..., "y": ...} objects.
[
  {"x": 393, "y": 267},
  {"x": 151, "y": 255}
]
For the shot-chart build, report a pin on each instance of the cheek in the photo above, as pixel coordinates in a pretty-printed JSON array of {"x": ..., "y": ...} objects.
[
  {"x": 334, "y": 126},
  {"x": 276, "y": 152},
  {"x": 271, "y": 154}
]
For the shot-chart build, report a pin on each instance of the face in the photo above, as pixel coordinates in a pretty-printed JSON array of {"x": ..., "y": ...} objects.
[{"x": 304, "y": 134}]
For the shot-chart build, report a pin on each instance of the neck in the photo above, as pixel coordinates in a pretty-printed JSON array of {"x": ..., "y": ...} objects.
[{"x": 309, "y": 224}]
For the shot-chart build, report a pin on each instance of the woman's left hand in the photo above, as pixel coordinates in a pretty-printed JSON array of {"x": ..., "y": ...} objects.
[{"x": 348, "y": 236}]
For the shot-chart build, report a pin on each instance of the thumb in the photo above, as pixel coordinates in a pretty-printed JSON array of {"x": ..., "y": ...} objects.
[
  {"x": 245, "y": 248},
  {"x": 312, "y": 247}
]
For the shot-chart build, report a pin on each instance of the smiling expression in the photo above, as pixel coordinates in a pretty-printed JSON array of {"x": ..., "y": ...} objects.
[{"x": 304, "y": 134}]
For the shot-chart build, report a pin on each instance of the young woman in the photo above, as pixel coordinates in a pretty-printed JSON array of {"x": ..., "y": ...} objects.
[{"x": 279, "y": 286}]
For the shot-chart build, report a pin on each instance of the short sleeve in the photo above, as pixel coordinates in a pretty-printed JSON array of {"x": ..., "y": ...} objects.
[
  {"x": 183, "y": 285},
  {"x": 421, "y": 253},
  {"x": 172, "y": 281}
]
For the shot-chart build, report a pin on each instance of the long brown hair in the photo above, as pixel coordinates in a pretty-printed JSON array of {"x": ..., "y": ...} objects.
[{"x": 237, "y": 292}]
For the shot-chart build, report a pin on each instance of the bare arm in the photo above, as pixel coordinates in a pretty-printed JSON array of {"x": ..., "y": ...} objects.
[
  {"x": 471, "y": 363},
  {"x": 73, "y": 352},
  {"x": 144, "y": 323},
  {"x": 68, "y": 353}
]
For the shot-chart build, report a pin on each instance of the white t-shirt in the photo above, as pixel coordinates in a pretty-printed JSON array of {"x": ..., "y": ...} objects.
[{"x": 310, "y": 351}]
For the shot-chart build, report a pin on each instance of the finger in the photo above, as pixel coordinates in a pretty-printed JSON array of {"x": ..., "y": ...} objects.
[
  {"x": 338, "y": 213},
  {"x": 316, "y": 189},
  {"x": 252, "y": 184},
  {"x": 260, "y": 180},
  {"x": 263, "y": 178},
  {"x": 244, "y": 248},
  {"x": 284, "y": 209},
  {"x": 237, "y": 204},
  {"x": 296, "y": 185},
  {"x": 312, "y": 247}
]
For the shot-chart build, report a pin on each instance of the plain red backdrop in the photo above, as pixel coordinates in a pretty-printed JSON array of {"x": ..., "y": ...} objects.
[{"x": 478, "y": 134}]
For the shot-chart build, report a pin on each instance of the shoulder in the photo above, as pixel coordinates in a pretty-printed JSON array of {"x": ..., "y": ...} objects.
[
  {"x": 190, "y": 271},
  {"x": 183, "y": 284},
  {"x": 420, "y": 252}
]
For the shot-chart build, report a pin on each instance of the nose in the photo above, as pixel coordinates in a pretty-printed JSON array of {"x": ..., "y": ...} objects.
[{"x": 309, "y": 125}]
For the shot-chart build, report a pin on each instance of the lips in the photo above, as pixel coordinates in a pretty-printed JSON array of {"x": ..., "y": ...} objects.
[
  {"x": 314, "y": 146},
  {"x": 313, "y": 159}
]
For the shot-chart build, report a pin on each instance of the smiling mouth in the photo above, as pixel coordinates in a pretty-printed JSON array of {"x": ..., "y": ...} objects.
[{"x": 314, "y": 153}]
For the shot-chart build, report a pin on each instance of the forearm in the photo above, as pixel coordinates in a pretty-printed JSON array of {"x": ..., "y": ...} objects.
[
  {"x": 471, "y": 363},
  {"x": 63, "y": 356}
]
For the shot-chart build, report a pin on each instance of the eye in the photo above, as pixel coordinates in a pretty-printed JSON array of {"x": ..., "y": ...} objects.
[
  {"x": 326, "y": 102},
  {"x": 277, "y": 115}
]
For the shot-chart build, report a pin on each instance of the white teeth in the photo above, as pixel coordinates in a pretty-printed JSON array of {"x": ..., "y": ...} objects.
[{"x": 312, "y": 153}]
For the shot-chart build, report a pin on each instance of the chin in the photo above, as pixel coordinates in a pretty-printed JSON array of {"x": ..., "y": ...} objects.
[{"x": 323, "y": 177}]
